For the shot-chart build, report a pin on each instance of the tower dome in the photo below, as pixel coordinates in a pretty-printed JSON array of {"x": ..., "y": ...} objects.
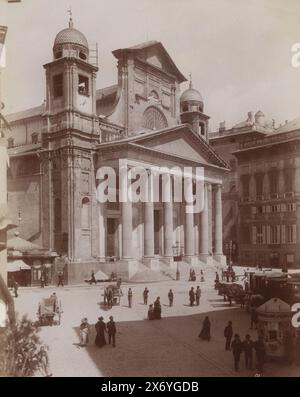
[
  {"x": 191, "y": 95},
  {"x": 70, "y": 42},
  {"x": 191, "y": 99}
]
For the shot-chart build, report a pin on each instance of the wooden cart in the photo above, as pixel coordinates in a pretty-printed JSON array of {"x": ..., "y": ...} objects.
[{"x": 49, "y": 312}]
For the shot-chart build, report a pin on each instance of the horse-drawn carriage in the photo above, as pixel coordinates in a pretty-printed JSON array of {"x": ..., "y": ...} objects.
[
  {"x": 232, "y": 292},
  {"x": 49, "y": 311},
  {"x": 112, "y": 294}
]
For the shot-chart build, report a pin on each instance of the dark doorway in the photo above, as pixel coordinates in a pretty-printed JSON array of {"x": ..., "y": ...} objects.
[
  {"x": 156, "y": 232},
  {"x": 112, "y": 237}
]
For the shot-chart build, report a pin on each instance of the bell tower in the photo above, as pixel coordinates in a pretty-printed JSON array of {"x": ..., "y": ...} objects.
[
  {"x": 191, "y": 111},
  {"x": 70, "y": 133}
]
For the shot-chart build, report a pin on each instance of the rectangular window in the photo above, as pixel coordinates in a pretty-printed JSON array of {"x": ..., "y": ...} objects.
[
  {"x": 83, "y": 85},
  {"x": 291, "y": 234},
  {"x": 274, "y": 234},
  {"x": 259, "y": 184},
  {"x": 58, "y": 85},
  {"x": 273, "y": 178},
  {"x": 259, "y": 234},
  {"x": 289, "y": 180},
  {"x": 290, "y": 207},
  {"x": 245, "y": 181}
]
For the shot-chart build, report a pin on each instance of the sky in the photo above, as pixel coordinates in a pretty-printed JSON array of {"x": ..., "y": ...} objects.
[{"x": 238, "y": 51}]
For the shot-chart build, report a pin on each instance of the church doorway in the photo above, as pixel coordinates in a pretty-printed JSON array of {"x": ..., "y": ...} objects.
[
  {"x": 112, "y": 243},
  {"x": 157, "y": 232}
]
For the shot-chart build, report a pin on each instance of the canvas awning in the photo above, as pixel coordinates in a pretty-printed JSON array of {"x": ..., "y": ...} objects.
[{"x": 17, "y": 265}]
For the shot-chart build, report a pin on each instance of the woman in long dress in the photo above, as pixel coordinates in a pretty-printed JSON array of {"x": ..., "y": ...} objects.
[
  {"x": 205, "y": 331},
  {"x": 100, "y": 330},
  {"x": 84, "y": 332},
  {"x": 157, "y": 308}
]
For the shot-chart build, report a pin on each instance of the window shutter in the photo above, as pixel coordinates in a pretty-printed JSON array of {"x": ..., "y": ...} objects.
[
  {"x": 277, "y": 234},
  {"x": 264, "y": 237},
  {"x": 268, "y": 234},
  {"x": 253, "y": 234},
  {"x": 283, "y": 207},
  {"x": 294, "y": 234},
  {"x": 254, "y": 210},
  {"x": 268, "y": 208},
  {"x": 282, "y": 234},
  {"x": 278, "y": 207},
  {"x": 294, "y": 207}
]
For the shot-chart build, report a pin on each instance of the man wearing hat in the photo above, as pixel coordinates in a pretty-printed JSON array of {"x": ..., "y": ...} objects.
[{"x": 111, "y": 330}]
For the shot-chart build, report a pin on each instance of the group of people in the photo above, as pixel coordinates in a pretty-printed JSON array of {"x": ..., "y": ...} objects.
[
  {"x": 228, "y": 275},
  {"x": 101, "y": 329},
  {"x": 154, "y": 311},
  {"x": 238, "y": 347},
  {"x": 195, "y": 295},
  {"x": 247, "y": 347}
]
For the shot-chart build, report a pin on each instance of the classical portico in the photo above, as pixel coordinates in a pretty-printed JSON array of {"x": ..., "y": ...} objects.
[{"x": 150, "y": 232}]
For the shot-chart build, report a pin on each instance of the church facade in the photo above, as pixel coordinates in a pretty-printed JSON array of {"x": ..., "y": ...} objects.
[{"x": 57, "y": 149}]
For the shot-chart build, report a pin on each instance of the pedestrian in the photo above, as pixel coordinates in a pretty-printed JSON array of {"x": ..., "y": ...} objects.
[
  {"x": 248, "y": 349},
  {"x": 84, "y": 332},
  {"x": 260, "y": 350},
  {"x": 130, "y": 297},
  {"x": 16, "y": 287},
  {"x": 237, "y": 349},
  {"x": 205, "y": 331},
  {"x": 192, "y": 296},
  {"x": 145, "y": 296},
  {"x": 217, "y": 280},
  {"x": 228, "y": 332},
  {"x": 54, "y": 299},
  {"x": 93, "y": 280},
  {"x": 150, "y": 313},
  {"x": 42, "y": 279},
  {"x": 201, "y": 276},
  {"x": 157, "y": 308},
  {"x": 111, "y": 330},
  {"x": 109, "y": 297},
  {"x": 100, "y": 332},
  {"x": 43, "y": 360},
  {"x": 60, "y": 279},
  {"x": 227, "y": 276},
  {"x": 171, "y": 297},
  {"x": 254, "y": 318},
  {"x": 198, "y": 295}
]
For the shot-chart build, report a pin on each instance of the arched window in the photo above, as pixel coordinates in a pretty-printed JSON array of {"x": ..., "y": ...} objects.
[
  {"x": 153, "y": 95},
  {"x": 154, "y": 119},
  {"x": 85, "y": 211}
]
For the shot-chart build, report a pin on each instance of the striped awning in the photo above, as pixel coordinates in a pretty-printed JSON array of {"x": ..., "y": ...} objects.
[{"x": 17, "y": 265}]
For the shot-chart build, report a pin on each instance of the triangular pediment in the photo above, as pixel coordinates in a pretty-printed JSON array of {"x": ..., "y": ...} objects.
[
  {"x": 153, "y": 53},
  {"x": 181, "y": 142}
]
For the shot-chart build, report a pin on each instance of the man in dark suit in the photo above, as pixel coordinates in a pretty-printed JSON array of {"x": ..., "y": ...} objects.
[
  {"x": 228, "y": 332},
  {"x": 111, "y": 330},
  {"x": 248, "y": 347}
]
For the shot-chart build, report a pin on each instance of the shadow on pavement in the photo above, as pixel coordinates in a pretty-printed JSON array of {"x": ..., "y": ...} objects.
[{"x": 170, "y": 347}]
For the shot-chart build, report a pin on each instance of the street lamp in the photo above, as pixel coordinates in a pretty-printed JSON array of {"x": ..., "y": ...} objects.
[{"x": 177, "y": 256}]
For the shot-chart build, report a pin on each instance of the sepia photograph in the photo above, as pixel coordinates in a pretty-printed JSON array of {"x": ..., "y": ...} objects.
[{"x": 149, "y": 191}]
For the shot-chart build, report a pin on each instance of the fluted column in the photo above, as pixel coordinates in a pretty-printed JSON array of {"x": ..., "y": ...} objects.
[
  {"x": 101, "y": 231},
  {"x": 189, "y": 235},
  {"x": 168, "y": 216},
  {"x": 204, "y": 224},
  {"x": 218, "y": 221},
  {"x": 126, "y": 205},
  {"x": 149, "y": 223}
]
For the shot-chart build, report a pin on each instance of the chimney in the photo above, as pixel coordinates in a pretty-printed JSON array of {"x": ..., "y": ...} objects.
[
  {"x": 222, "y": 127},
  {"x": 250, "y": 117}
]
